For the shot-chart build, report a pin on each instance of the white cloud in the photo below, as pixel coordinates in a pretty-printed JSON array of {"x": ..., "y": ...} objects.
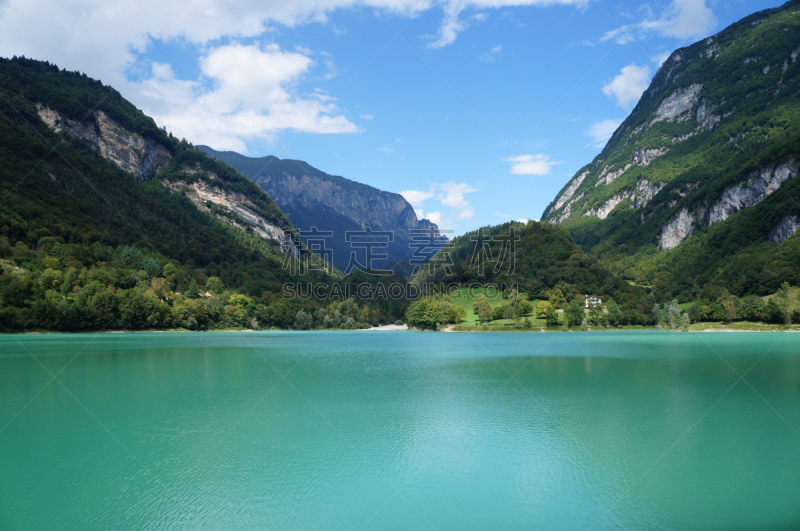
[
  {"x": 433, "y": 217},
  {"x": 602, "y": 131},
  {"x": 452, "y": 24},
  {"x": 366, "y": 117},
  {"x": 332, "y": 72},
  {"x": 628, "y": 85},
  {"x": 501, "y": 215},
  {"x": 397, "y": 141},
  {"x": 538, "y": 164},
  {"x": 490, "y": 56},
  {"x": 102, "y": 38},
  {"x": 450, "y": 195},
  {"x": 384, "y": 149},
  {"x": 416, "y": 197},
  {"x": 250, "y": 96},
  {"x": 110, "y": 41},
  {"x": 683, "y": 19}
]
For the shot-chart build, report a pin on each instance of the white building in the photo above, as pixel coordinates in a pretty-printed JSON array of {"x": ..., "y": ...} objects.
[{"x": 593, "y": 300}]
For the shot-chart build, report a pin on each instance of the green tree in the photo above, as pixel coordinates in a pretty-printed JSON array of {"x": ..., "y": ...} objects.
[
  {"x": 584, "y": 325},
  {"x": 785, "y": 302},
  {"x": 596, "y": 314},
  {"x": 573, "y": 313},
  {"x": 192, "y": 292},
  {"x": 685, "y": 321},
  {"x": 484, "y": 310},
  {"x": 213, "y": 285},
  {"x": 657, "y": 314},
  {"x": 523, "y": 308},
  {"x": 556, "y": 298},
  {"x": 302, "y": 320},
  {"x": 673, "y": 314},
  {"x": 615, "y": 315},
  {"x": 542, "y": 308},
  {"x": 730, "y": 309},
  {"x": 551, "y": 317}
]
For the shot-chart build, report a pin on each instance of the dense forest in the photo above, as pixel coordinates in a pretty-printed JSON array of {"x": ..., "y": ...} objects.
[
  {"x": 87, "y": 246},
  {"x": 540, "y": 260}
]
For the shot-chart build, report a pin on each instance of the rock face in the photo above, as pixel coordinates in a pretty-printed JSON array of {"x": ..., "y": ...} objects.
[
  {"x": 607, "y": 177},
  {"x": 641, "y": 194},
  {"x": 677, "y": 106},
  {"x": 380, "y": 211},
  {"x": 139, "y": 156},
  {"x": 785, "y": 229},
  {"x": 202, "y": 192},
  {"x": 570, "y": 191},
  {"x": 312, "y": 198},
  {"x": 705, "y": 119},
  {"x": 752, "y": 191},
  {"x": 677, "y": 230},
  {"x": 644, "y": 157}
]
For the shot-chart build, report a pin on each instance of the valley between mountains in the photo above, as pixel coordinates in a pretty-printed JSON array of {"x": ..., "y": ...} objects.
[{"x": 688, "y": 216}]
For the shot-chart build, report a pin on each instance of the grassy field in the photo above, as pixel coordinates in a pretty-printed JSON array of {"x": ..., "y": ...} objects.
[
  {"x": 743, "y": 326},
  {"x": 465, "y": 297}
]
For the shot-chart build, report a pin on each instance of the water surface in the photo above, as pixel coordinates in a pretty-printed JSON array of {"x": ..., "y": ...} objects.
[{"x": 382, "y": 430}]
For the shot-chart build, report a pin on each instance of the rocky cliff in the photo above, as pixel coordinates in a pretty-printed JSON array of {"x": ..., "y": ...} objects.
[
  {"x": 143, "y": 157},
  {"x": 140, "y": 156},
  {"x": 237, "y": 209},
  {"x": 312, "y": 198}
]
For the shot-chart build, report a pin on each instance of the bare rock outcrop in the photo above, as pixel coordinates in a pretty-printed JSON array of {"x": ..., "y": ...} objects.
[
  {"x": 640, "y": 194},
  {"x": 200, "y": 192},
  {"x": 643, "y": 157},
  {"x": 752, "y": 191},
  {"x": 677, "y": 107},
  {"x": 677, "y": 229},
  {"x": 607, "y": 177},
  {"x": 570, "y": 191},
  {"x": 785, "y": 229},
  {"x": 130, "y": 152},
  {"x": 705, "y": 119}
]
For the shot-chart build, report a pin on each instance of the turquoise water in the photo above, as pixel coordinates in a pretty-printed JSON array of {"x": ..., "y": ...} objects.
[{"x": 381, "y": 430}]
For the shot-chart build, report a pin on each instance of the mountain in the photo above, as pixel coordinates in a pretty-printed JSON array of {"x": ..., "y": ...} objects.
[
  {"x": 698, "y": 185},
  {"x": 312, "y": 198},
  {"x": 538, "y": 258},
  {"x": 95, "y": 199}
]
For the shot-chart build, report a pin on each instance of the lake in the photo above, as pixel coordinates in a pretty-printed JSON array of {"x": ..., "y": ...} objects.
[{"x": 394, "y": 430}]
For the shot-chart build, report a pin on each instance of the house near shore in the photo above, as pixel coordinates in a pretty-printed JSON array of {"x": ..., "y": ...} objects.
[{"x": 592, "y": 300}]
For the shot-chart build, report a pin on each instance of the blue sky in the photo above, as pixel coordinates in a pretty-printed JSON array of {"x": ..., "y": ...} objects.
[{"x": 479, "y": 111}]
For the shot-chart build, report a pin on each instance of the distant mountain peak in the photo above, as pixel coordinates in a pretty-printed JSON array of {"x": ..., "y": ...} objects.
[{"x": 313, "y": 198}]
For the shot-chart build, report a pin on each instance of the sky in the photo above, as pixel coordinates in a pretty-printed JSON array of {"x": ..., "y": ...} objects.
[{"x": 477, "y": 111}]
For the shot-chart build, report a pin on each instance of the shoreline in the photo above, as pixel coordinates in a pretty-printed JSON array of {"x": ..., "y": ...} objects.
[{"x": 394, "y": 328}]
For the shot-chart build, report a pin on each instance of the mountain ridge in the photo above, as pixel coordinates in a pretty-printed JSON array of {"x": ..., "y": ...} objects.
[
  {"x": 313, "y": 198},
  {"x": 710, "y": 153}
]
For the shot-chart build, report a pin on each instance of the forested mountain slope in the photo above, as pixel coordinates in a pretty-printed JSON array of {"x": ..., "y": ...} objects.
[
  {"x": 91, "y": 190},
  {"x": 312, "y": 198},
  {"x": 538, "y": 258},
  {"x": 704, "y": 167}
]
